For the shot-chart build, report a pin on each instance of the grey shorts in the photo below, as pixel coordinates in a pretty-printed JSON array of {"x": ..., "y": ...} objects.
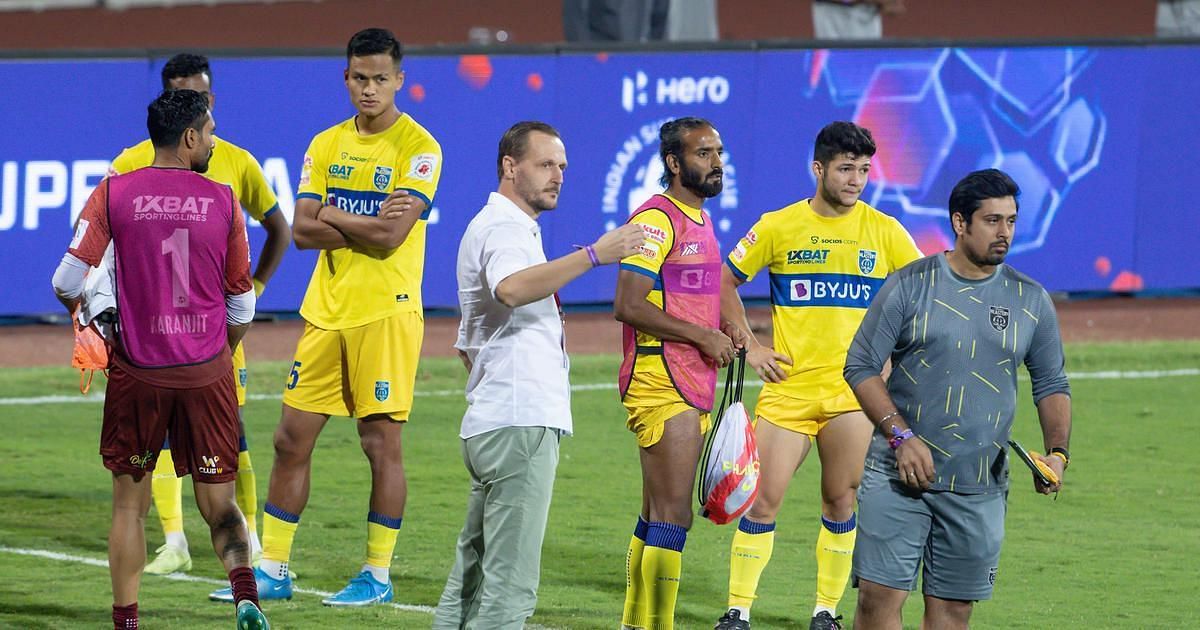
[{"x": 956, "y": 536}]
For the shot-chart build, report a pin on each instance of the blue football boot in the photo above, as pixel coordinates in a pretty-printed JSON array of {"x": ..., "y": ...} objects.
[
  {"x": 363, "y": 590},
  {"x": 268, "y": 588}
]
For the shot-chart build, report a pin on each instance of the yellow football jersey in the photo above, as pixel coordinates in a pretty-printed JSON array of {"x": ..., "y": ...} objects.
[
  {"x": 356, "y": 285},
  {"x": 824, "y": 272},
  {"x": 659, "y": 239},
  {"x": 230, "y": 165}
]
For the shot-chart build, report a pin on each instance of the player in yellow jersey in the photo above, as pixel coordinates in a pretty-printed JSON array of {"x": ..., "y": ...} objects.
[
  {"x": 234, "y": 166},
  {"x": 668, "y": 298},
  {"x": 365, "y": 190},
  {"x": 827, "y": 257}
]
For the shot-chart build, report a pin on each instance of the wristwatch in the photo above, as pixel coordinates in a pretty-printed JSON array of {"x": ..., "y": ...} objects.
[{"x": 1062, "y": 452}]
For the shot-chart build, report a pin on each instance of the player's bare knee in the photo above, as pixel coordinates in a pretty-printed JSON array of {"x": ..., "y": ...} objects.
[
  {"x": 381, "y": 448},
  {"x": 839, "y": 506},
  {"x": 675, "y": 515},
  {"x": 374, "y": 446},
  {"x": 947, "y": 613},
  {"x": 224, "y": 517},
  {"x": 879, "y": 602},
  {"x": 289, "y": 447},
  {"x": 763, "y": 511}
]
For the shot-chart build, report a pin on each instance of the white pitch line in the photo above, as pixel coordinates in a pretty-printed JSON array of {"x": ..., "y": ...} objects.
[
  {"x": 182, "y": 577},
  {"x": 98, "y": 398},
  {"x": 179, "y": 577}
]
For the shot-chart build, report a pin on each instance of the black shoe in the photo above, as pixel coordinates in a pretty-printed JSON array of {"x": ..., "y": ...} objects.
[
  {"x": 732, "y": 620},
  {"x": 825, "y": 621}
]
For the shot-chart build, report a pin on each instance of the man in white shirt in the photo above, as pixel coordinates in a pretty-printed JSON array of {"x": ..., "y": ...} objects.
[{"x": 519, "y": 399}]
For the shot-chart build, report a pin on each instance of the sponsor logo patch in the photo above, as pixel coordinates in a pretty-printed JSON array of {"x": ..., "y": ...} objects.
[
  {"x": 306, "y": 171},
  {"x": 211, "y": 465},
  {"x": 422, "y": 167},
  {"x": 654, "y": 233},
  {"x": 802, "y": 290},
  {"x": 341, "y": 171},
  {"x": 142, "y": 461},
  {"x": 823, "y": 290},
  {"x": 807, "y": 256}
]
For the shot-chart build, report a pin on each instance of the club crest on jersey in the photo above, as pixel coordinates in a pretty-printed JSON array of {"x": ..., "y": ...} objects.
[
  {"x": 381, "y": 390},
  {"x": 999, "y": 317},
  {"x": 866, "y": 260},
  {"x": 383, "y": 177},
  {"x": 242, "y": 376}
]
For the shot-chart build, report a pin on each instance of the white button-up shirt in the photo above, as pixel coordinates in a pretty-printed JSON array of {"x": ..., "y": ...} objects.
[{"x": 518, "y": 358}]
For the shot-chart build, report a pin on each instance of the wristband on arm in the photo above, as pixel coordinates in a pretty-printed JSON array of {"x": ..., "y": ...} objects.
[
  {"x": 899, "y": 437},
  {"x": 1062, "y": 454},
  {"x": 591, "y": 253}
]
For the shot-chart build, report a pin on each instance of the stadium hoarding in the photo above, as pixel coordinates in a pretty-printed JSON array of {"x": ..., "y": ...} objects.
[{"x": 1102, "y": 140}]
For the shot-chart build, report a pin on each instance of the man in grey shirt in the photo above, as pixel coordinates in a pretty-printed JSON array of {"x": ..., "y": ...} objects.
[{"x": 955, "y": 326}]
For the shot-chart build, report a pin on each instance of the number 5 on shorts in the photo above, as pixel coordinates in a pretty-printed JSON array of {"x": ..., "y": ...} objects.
[{"x": 295, "y": 376}]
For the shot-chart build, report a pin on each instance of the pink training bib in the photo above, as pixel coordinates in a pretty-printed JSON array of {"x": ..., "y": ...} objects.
[{"x": 691, "y": 287}]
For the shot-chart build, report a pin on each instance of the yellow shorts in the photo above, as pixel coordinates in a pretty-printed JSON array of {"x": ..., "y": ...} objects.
[
  {"x": 363, "y": 371},
  {"x": 652, "y": 400},
  {"x": 803, "y": 416},
  {"x": 239, "y": 374}
]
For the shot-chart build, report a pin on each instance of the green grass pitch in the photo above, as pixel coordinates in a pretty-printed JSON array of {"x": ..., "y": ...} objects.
[{"x": 1116, "y": 550}]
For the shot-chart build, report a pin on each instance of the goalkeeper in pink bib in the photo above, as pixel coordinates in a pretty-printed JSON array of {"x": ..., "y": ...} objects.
[{"x": 184, "y": 301}]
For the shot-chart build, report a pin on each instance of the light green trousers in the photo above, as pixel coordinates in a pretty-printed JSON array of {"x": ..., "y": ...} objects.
[{"x": 494, "y": 582}]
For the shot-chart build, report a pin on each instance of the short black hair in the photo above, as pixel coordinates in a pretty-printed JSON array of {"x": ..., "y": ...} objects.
[
  {"x": 375, "y": 41},
  {"x": 173, "y": 112},
  {"x": 971, "y": 191},
  {"x": 184, "y": 65},
  {"x": 515, "y": 141},
  {"x": 841, "y": 137},
  {"x": 670, "y": 141}
]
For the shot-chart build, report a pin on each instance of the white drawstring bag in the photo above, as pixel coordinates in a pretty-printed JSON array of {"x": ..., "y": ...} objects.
[{"x": 728, "y": 476}]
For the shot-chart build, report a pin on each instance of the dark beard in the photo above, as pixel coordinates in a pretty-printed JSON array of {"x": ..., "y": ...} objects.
[
  {"x": 987, "y": 259},
  {"x": 203, "y": 166},
  {"x": 697, "y": 183}
]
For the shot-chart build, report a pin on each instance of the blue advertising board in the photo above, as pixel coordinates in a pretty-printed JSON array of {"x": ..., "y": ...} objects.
[{"x": 1102, "y": 140}]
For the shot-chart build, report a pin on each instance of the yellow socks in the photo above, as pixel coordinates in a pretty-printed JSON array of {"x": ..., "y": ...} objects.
[
  {"x": 634, "y": 614},
  {"x": 662, "y": 561},
  {"x": 168, "y": 495},
  {"x": 247, "y": 495},
  {"x": 748, "y": 556},
  {"x": 381, "y": 539},
  {"x": 279, "y": 529},
  {"x": 835, "y": 555}
]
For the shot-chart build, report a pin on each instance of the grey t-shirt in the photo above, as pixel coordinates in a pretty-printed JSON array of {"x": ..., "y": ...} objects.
[{"x": 955, "y": 345}]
